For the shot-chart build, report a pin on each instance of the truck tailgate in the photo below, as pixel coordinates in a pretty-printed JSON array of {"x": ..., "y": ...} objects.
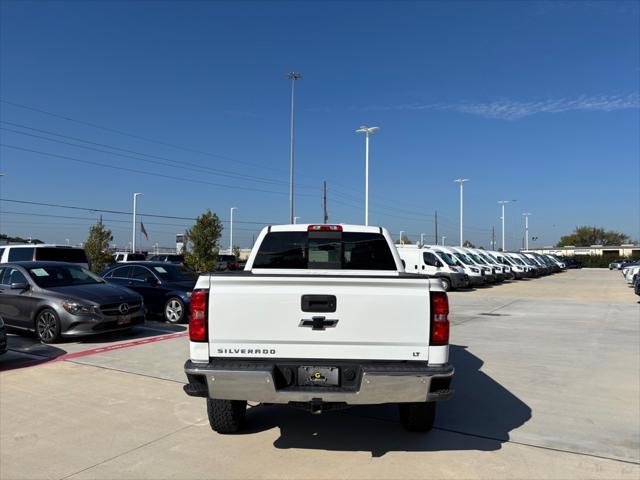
[{"x": 262, "y": 316}]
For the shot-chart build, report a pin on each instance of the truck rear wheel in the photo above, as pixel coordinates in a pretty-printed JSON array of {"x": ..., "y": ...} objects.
[
  {"x": 446, "y": 283},
  {"x": 226, "y": 416},
  {"x": 417, "y": 417}
]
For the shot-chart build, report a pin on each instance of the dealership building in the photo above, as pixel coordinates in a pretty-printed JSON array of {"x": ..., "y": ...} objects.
[{"x": 608, "y": 251}]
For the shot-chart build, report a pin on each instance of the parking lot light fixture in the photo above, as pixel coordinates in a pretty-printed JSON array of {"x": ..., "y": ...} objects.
[
  {"x": 231, "y": 231},
  {"x": 293, "y": 76},
  {"x": 133, "y": 233},
  {"x": 526, "y": 230},
  {"x": 461, "y": 182},
  {"x": 503, "y": 203},
  {"x": 367, "y": 132}
]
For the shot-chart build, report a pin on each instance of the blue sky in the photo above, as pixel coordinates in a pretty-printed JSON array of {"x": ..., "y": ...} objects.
[{"x": 189, "y": 104}]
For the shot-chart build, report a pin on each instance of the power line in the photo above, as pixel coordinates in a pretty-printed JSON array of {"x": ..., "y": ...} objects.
[
  {"x": 173, "y": 163},
  {"x": 105, "y": 220},
  {"x": 120, "y": 212},
  {"x": 142, "y": 172},
  {"x": 127, "y": 134}
]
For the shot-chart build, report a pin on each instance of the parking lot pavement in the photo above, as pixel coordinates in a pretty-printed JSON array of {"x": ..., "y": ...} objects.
[
  {"x": 25, "y": 350},
  {"x": 547, "y": 386}
]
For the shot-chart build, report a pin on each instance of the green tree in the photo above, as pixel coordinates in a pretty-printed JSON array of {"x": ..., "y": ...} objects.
[
  {"x": 585, "y": 236},
  {"x": 203, "y": 239},
  {"x": 97, "y": 247},
  {"x": 405, "y": 240},
  {"x": 468, "y": 244}
]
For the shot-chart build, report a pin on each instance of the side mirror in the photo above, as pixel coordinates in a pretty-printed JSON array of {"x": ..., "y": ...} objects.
[
  {"x": 438, "y": 264},
  {"x": 20, "y": 286}
]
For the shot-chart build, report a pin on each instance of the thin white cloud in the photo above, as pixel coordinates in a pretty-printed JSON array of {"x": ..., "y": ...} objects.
[
  {"x": 506, "y": 109},
  {"x": 513, "y": 110}
]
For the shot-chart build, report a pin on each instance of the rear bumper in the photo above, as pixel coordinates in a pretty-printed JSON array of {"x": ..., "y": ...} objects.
[{"x": 376, "y": 383}]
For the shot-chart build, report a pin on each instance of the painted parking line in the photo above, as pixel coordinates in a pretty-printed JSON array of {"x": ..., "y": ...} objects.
[
  {"x": 95, "y": 351},
  {"x": 119, "y": 346}
]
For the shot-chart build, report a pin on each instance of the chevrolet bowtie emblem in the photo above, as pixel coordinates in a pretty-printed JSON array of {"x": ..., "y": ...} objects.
[{"x": 318, "y": 323}]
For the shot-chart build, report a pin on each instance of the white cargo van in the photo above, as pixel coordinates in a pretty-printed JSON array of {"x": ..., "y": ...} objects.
[
  {"x": 427, "y": 261},
  {"x": 489, "y": 273},
  {"x": 506, "y": 267},
  {"x": 476, "y": 274},
  {"x": 30, "y": 252},
  {"x": 502, "y": 272},
  {"x": 518, "y": 270}
]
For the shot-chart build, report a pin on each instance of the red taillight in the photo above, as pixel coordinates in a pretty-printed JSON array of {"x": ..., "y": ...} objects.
[
  {"x": 324, "y": 228},
  {"x": 198, "y": 317},
  {"x": 439, "y": 318}
]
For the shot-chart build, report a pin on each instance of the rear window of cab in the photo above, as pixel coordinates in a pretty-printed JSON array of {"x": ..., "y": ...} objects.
[{"x": 325, "y": 250}]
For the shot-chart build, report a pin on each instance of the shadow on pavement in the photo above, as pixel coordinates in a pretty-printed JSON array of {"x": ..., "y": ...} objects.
[
  {"x": 482, "y": 410},
  {"x": 25, "y": 350}
]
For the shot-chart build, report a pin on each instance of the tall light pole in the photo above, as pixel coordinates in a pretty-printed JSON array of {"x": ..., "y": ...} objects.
[
  {"x": 231, "y": 231},
  {"x": 2, "y": 175},
  {"x": 422, "y": 239},
  {"x": 503, "y": 203},
  {"x": 133, "y": 230},
  {"x": 367, "y": 132},
  {"x": 461, "y": 182},
  {"x": 444, "y": 237},
  {"x": 526, "y": 230},
  {"x": 293, "y": 76}
]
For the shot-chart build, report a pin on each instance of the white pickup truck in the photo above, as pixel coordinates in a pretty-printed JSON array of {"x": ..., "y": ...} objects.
[{"x": 323, "y": 317}]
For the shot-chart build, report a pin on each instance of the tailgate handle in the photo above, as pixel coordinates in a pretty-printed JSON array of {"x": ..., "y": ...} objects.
[{"x": 318, "y": 303}]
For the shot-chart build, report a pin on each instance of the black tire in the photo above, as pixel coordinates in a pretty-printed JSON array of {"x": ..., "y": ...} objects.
[
  {"x": 174, "y": 310},
  {"x": 47, "y": 325},
  {"x": 417, "y": 417},
  {"x": 446, "y": 283},
  {"x": 226, "y": 416}
]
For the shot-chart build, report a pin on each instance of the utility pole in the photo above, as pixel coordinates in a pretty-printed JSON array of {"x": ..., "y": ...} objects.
[
  {"x": 461, "y": 182},
  {"x": 503, "y": 203},
  {"x": 493, "y": 237},
  {"x": 325, "y": 215},
  {"x": 436, "y": 220},
  {"x": 293, "y": 76},
  {"x": 367, "y": 131},
  {"x": 133, "y": 233}
]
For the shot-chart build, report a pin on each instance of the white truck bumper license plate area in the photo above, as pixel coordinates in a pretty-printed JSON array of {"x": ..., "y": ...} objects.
[{"x": 319, "y": 376}]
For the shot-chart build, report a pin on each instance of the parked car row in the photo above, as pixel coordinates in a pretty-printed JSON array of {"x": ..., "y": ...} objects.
[
  {"x": 620, "y": 264},
  {"x": 459, "y": 267},
  {"x": 631, "y": 273},
  {"x": 56, "y": 299},
  {"x": 225, "y": 262}
]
